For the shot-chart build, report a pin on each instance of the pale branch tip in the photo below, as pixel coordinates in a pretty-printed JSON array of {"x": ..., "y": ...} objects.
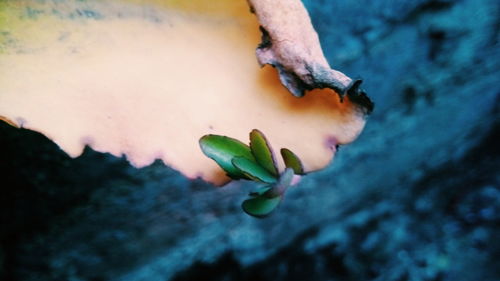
[{"x": 290, "y": 44}]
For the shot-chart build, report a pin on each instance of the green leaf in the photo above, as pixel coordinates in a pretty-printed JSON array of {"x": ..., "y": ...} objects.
[
  {"x": 292, "y": 161},
  {"x": 223, "y": 149},
  {"x": 262, "y": 151},
  {"x": 260, "y": 206},
  {"x": 253, "y": 170}
]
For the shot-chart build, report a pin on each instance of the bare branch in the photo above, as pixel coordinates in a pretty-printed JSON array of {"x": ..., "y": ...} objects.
[{"x": 291, "y": 45}]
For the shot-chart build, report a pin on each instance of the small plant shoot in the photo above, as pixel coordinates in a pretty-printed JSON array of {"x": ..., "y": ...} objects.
[{"x": 255, "y": 162}]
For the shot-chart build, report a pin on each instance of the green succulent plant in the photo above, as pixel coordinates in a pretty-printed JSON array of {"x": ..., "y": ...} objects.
[{"x": 255, "y": 162}]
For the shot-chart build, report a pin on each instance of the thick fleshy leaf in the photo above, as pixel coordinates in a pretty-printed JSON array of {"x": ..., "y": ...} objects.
[
  {"x": 223, "y": 149},
  {"x": 253, "y": 170},
  {"x": 262, "y": 151},
  {"x": 260, "y": 206},
  {"x": 292, "y": 161}
]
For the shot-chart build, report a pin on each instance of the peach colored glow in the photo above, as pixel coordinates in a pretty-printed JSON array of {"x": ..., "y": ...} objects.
[{"x": 148, "y": 80}]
